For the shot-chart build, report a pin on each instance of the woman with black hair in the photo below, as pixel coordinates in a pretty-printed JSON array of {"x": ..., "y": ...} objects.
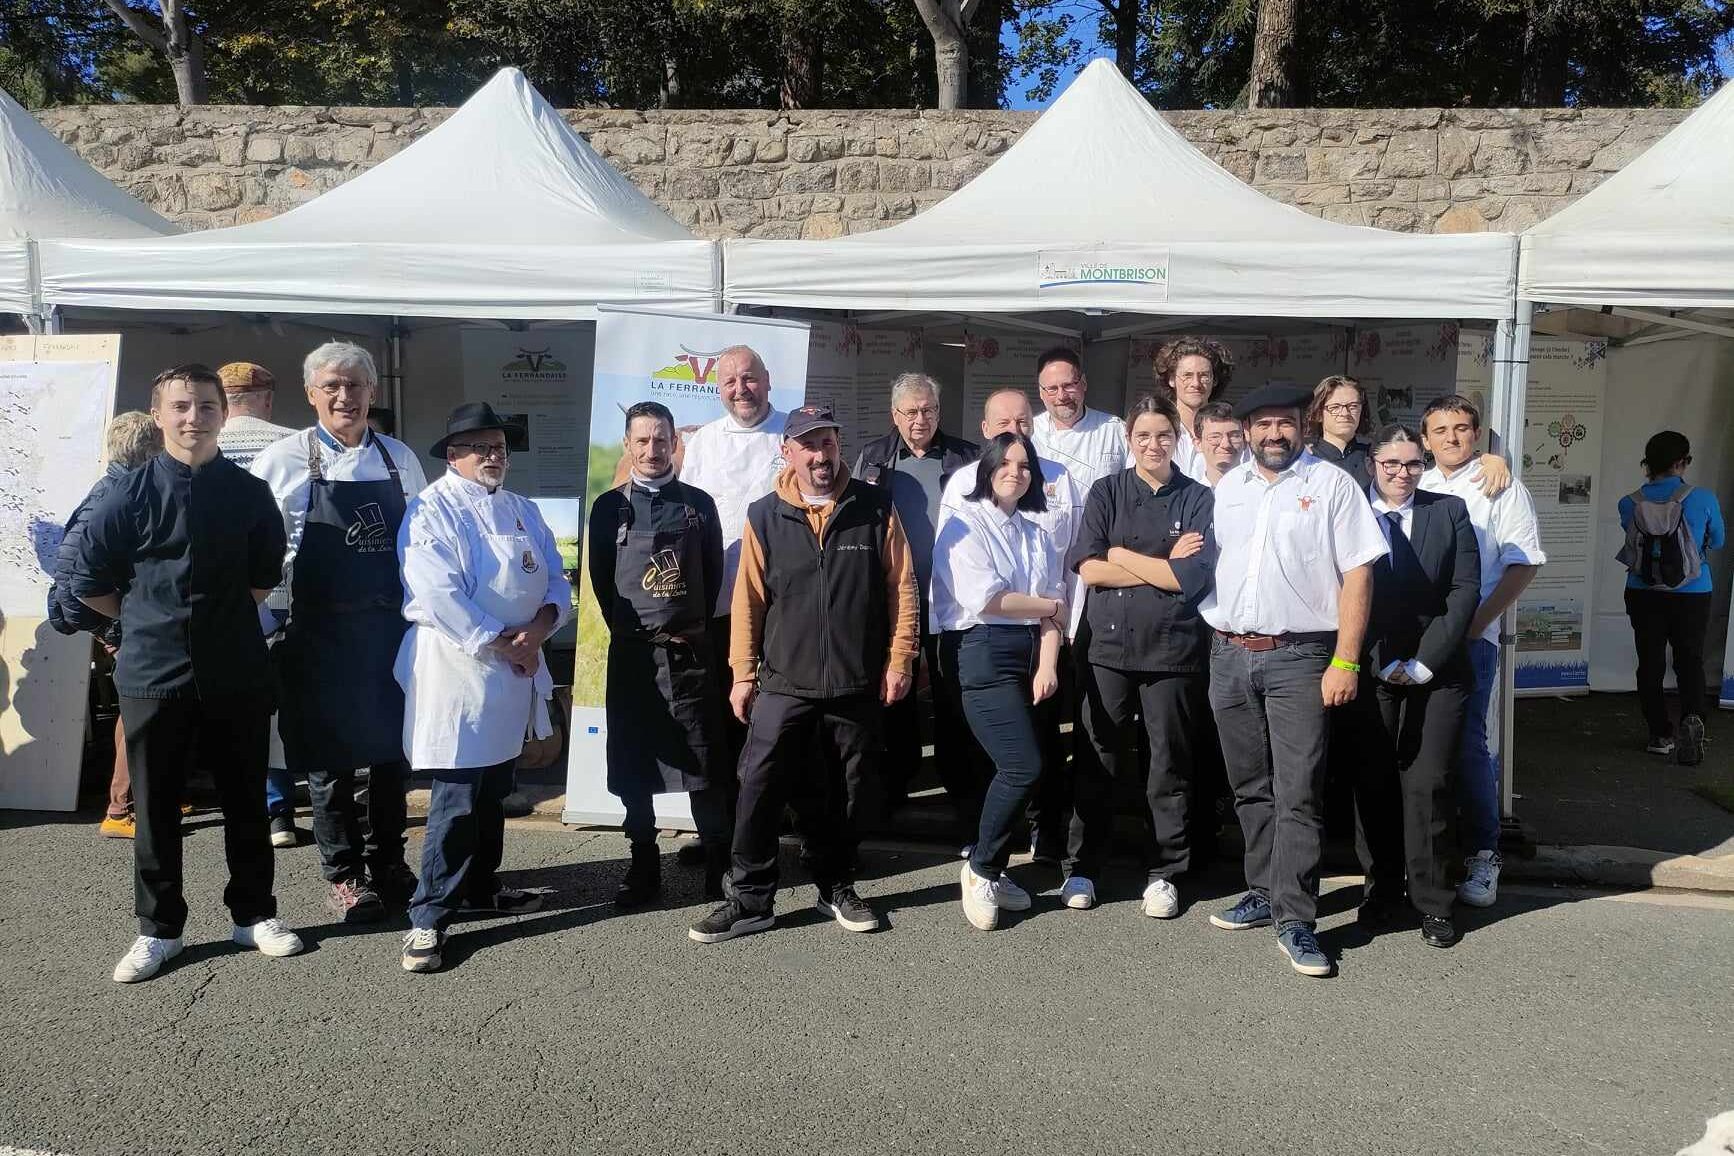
[{"x": 997, "y": 579}]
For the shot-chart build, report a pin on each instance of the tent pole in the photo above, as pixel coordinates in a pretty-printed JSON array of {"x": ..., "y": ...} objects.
[
  {"x": 394, "y": 373},
  {"x": 1515, "y": 365}
]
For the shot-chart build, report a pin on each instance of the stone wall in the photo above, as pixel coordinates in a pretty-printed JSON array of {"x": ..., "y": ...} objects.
[{"x": 820, "y": 174}]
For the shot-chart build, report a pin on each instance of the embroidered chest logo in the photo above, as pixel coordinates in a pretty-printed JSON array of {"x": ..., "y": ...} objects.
[
  {"x": 1307, "y": 503},
  {"x": 663, "y": 577},
  {"x": 1049, "y": 488},
  {"x": 528, "y": 562},
  {"x": 368, "y": 534}
]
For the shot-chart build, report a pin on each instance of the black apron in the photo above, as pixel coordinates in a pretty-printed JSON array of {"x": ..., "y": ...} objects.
[
  {"x": 664, "y": 718},
  {"x": 341, "y": 705}
]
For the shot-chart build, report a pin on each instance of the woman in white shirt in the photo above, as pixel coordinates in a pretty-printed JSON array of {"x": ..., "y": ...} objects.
[{"x": 997, "y": 578}]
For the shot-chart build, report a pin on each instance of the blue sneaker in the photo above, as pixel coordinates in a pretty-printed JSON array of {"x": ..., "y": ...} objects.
[
  {"x": 1253, "y": 910},
  {"x": 1298, "y": 942}
]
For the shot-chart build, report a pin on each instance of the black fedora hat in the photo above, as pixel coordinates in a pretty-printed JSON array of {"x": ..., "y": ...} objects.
[{"x": 472, "y": 417}]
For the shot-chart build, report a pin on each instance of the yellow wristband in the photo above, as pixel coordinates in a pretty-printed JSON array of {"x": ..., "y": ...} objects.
[{"x": 1345, "y": 664}]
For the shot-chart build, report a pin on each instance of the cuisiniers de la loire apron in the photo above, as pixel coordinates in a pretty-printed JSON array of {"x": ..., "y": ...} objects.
[
  {"x": 341, "y": 707},
  {"x": 664, "y": 717}
]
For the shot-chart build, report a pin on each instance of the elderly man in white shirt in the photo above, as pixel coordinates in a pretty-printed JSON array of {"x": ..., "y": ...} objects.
[
  {"x": 1296, "y": 542},
  {"x": 343, "y": 489},
  {"x": 484, "y": 589},
  {"x": 1008, "y": 411},
  {"x": 1511, "y": 553}
]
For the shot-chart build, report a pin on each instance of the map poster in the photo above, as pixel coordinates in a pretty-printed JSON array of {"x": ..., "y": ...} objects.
[
  {"x": 538, "y": 377},
  {"x": 56, "y": 396},
  {"x": 669, "y": 357},
  {"x": 1562, "y": 449}
]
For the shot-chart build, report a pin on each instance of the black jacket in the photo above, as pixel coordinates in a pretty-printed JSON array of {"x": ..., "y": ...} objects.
[
  {"x": 65, "y": 612},
  {"x": 881, "y": 454},
  {"x": 185, "y": 549},
  {"x": 1424, "y": 612}
]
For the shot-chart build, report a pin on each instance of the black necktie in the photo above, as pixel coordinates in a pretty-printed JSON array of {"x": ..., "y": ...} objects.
[{"x": 1405, "y": 566}]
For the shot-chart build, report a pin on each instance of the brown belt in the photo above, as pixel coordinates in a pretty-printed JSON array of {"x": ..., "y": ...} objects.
[{"x": 1263, "y": 642}]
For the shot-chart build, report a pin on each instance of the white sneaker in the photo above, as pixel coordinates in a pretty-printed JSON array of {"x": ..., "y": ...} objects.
[
  {"x": 1481, "y": 889},
  {"x": 145, "y": 958},
  {"x": 1078, "y": 893},
  {"x": 270, "y": 936},
  {"x": 1008, "y": 896},
  {"x": 978, "y": 901},
  {"x": 1161, "y": 900}
]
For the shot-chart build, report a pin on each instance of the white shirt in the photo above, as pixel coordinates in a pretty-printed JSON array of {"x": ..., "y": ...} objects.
[
  {"x": 981, "y": 552},
  {"x": 1505, "y": 527},
  {"x": 283, "y": 466},
  {"x": 1414, "y": 667},
  {"x": 736, "y": 465},
  {"x": 1093, "y": 447},
  {"x": 1283, "y": 547},
  {"x": 1060, "y": 520},
  {"x": 474, "y": 563},
  {"x": 1188, "y": 456}
]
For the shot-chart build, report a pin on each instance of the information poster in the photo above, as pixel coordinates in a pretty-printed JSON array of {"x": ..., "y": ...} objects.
[
  {"x": 539, "y": 378},
  {"x": 833, "y": 358},
  {"x": 1562, "y": 449},
  {"x": 669, "y": 357},
  {"x": 56, "y": 396},
  {"x": 884, "y": 354},
  {"x": 996, "y": 361},
  {"x": 1403, "y": 368}
]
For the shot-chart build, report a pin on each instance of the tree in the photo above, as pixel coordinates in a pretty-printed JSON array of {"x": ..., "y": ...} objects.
[
  {"x": 175, "y": 40},
  {"x": 948, "y": 24},
  {"x": 1275, "y": 55}
]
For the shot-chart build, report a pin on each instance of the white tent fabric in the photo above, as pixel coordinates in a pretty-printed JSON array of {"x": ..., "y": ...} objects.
[
  {"x": 1098, "y": 197},
  {"x": 1659, "y": 232},
  {"x": 47, "y": 191},
  {"x": 501, "y": 211}
]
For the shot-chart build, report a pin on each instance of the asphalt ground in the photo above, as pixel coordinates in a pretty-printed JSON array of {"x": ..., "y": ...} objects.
[{"x": 1564, "y": 1022}]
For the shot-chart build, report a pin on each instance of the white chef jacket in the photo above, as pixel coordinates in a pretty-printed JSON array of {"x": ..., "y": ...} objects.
[
  {"x": 1188, "y": 455},
  {"x": 283, "y": 466},
  {"x": 1093, "y": 448},
  {"x": 736, "y": 465},
  {"x": 1505, "y": 527},
  {"x": 1413, "y": 667},
  {"x": 980, "y": 552},
  {"x": 1060, "y": 520},
  {"x": 474, "y": 563},
  {"x": 1283, "y": 547}
]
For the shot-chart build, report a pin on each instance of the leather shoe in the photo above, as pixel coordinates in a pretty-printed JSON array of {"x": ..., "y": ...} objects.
[
  {"x": 1379, "y": 909},
  {"x": 1438, "y": 930}
]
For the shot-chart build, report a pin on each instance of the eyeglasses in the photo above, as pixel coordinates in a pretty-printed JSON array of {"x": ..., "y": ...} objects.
[
  {"x": 333, "y": 388},
  {"x": 1161, "y": 439},
  {"x": 1344, "y": 408},
  {"x": 483, "y": 450},
  {"x": 919, "y": 413},
  {"x": 1392, "y": 466},
  {"x": 1060, "y": 387},
  {"x": 1234, "y": 438}
]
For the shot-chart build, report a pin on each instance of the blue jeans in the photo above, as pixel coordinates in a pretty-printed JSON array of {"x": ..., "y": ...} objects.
[
  {"x": 1478, "y": 771},
  {"x": 466, "y": 836},
  {"x": 279, "y": 792},
  {"x": 994, "y": 667}
]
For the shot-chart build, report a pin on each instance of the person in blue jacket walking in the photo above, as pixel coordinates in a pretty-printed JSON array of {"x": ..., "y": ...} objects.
[{"x": 1670, "y": 615}]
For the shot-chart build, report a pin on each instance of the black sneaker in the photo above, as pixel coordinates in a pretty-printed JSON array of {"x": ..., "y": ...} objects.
[
  {"x": 355, "y": 901},
  {"x": 1690, "y": 750},
  {"x": 848, "y": 909},
  {"x": 284, "y": 832},
  {"x": 729, "y": 921},
  {"x": 506, "y": 901},
  {"x": 643, "y": 881},
  {"x": 1438, "y": 931},
  {"x": 395, "y": 884}
]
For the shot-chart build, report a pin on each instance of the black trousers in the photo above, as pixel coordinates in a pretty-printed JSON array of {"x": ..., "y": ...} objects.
[
  {"x": 1406, "y": 739},
  {"x": 903, "y": 727},
  {"x": 1660, "y": 622},
  {"x": 1063, "y": 757},
  {"x": 827, "y": 793},
  {"x": 232, "y": 738},
  {"x": 1170, "y": 704},
  {"x": 710, "y": 815},
  {"x": 350, "y": 843}
]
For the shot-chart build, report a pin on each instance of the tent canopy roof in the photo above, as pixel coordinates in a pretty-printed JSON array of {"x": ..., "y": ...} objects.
[
  {"x": 1102, "y": 182},
  {"x": 1659, "y": 232},
  {"x": 501, "y": 211}
]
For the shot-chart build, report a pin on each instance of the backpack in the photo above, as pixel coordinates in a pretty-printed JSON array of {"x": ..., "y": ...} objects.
[{"x": 1660, "y": 551}]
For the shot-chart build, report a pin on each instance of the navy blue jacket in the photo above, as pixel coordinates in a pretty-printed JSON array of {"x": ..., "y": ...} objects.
[{"x": 65, "y": 612}]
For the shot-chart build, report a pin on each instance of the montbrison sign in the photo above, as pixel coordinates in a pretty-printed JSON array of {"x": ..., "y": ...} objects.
[{"x": 1133, "y": 270}]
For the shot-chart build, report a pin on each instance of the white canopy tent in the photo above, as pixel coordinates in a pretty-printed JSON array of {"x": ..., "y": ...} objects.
[
  {"x": 48, "y": 192},
  {"x": 1102, "y": 206},
  {"x": 503, "y": 211}
]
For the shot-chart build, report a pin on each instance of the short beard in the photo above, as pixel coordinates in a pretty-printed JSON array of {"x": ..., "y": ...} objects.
[{"x": 1290, "y": 453}]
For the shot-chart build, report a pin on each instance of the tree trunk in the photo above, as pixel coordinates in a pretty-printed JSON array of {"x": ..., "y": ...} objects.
[
  {"x": 1275, "y": 55},
  {"x": 175, "y": 40},
  {"x": 1546, "y": 59},
  {"x": 404, "y": 72},
  {"x": 803, "y": 68},
  {"x": 947, "y": 21},
  {"x": 1125, "y": 16}
]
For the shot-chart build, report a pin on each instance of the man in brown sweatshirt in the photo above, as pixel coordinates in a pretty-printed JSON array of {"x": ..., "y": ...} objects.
[{"x": 824, "y": 633}]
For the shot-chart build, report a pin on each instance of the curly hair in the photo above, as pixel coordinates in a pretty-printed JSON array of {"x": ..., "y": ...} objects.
[{"x": 1221, "y": 362}]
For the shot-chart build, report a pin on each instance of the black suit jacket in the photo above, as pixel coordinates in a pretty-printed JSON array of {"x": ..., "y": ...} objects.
[{"x": 1426, "y": 614}]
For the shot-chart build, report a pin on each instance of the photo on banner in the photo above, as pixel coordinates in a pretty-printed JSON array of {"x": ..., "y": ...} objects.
[{"x": 667, "y": 357}]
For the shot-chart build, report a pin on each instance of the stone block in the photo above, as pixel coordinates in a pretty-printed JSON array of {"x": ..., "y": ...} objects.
[
  {"x": 1240, "y": 162},
  {"x": 1456, "y": 152},
  {"x": 1411, "y": 154},
  {"x": 899, "y": 208},
  {"x": 1334, "y": 193},
  {"x": 1346, "y": 214},
  {"x": 1400, "y": 218},
  {"x": 959, "y": 172},
  {"x": 1371, "y": 190},
  {"x": 1433, "y": 189},
  {"x": 212, "y": 191},
  {"x": 644, "y": 150},
  {"x": 1621, "y": 153},
  {"x": 822, "y": 227},
  {"x": 1460, "y": 219},
  {"x": 1280, "y": 137},
  {"x": 857, "y": 146},
  {"x": 1342, "y": 163},
  {"x": 1498, "y": 161},
  {"x": 741, "y": 152},
  {"x": 384, "y": 148},
  {"x": 683, "y": 211},
  {"x": 264, "y": 150},
  {"x": 863, "y": 206},
  {"x": 692, "y": 185},
  {"x": 352, "y": 146},
  {"x": 813, "y": 178},
  {"x": 827, "y": 203},
  {"x": 129, "y": 158},
  {"x": 191, "y": 153},
  {"x": 737, "y": 215},
  {"x": 300, "y": 150},
  {"x": 903, "y": 176},
  {"x": 857, "y": 175},
  {"x": 747, "y": 184},
  {"x": 1279, "y": 165},
  {"x": 773, "y": 150},
  {"x": 805, "y": 149},
  {"x": 886, "y": 146},
  {"x": 1557, "y": 150},
  {"x": 776, "y": 230},
  {"x": 699, "y": 147}
]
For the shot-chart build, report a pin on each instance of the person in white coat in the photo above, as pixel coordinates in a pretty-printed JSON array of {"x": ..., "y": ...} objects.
[{"x": 483, "y": 588}]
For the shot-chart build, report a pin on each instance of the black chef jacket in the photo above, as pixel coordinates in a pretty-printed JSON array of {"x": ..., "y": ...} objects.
[
  {"x": 1357, "y": 460},
  {"x": 1142, "y": 628},
  {"x": 185, "y": 548}
]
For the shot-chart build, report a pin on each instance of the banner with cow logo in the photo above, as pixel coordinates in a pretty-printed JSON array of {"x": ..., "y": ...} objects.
[
  {"x": 668, "y": 357},
  {"x": 538, "y": 377}
]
